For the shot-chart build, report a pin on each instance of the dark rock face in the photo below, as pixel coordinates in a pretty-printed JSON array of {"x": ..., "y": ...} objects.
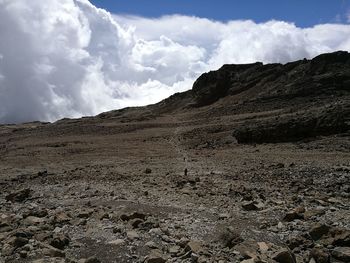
[
  {"x": 308, "y": 82},
  {"x": 214, "y": 85},
  {"x": 18, "y": 196},
  {"x": 332, "y": 120}
]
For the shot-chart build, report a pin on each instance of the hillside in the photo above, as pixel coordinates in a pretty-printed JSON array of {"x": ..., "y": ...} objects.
[{"x": 250, "y": 165}]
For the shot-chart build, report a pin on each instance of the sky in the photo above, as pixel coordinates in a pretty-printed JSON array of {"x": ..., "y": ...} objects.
[
  {"x": 304, "y": 13},
  {"x": 73, "y": 58}
]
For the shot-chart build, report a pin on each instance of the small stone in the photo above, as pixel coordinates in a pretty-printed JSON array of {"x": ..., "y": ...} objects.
[
  {"x": 43, "y": 236},
  {"x": 118, "y": 229},
  {"x": 291, "y": 216},
  {"x": 155, "y": 257},
  {"x": 7, "y": 250},
  {"x": 263, "y": 247},
  {"x": 156, "y": 231},
  {"x": 19, "y": 196},
  {"x": 300, "y": 210},
  {"x": 127, "y": 217},
  {"x": 313, "y": 212},
  {"x": 320, "y": 255},
  {"x": 151, "y": 244},
  {"x": 23, "y": 254},
  {"x": 250, "y": 206},
  {"x": 193, "y": 246},
  {"x": 341, "y": 238},
  {"x": 166, "y": 238},
  {"x": 60, "y": 241},
  {"x": 194, "y": 257},
  {"x": 117, "y": 242},
  {"x": 230, "y": 238},
  {"x": 5, "y": 227},
  {"x": 53, "y": 252},
  {"x": 318, "y": 231},
  {"x": 49, "y": 260},
  {"x": 84, "y": 213},
  {"x": 89, "y": 260},
  {"x": 224, "y": 216},
  {"x": 284, "y": 256},
  {"x": 174, "y": 250},
  {"x": 182, "y": 242},
  {"x": 61, "y": 218},
  {"x": 312, "y": 260},
  {"x": 33, "y": 220},
  {"x": 298, "y": 241},
  {"x": 132, "y": 235},
  {"x": 104, "y": 215},
  {"x": 37, "y": 212},
  {"x": 17, "y": 242},
  {"x": 135, "y": 223},
  {"x": 342, "y": 253}
]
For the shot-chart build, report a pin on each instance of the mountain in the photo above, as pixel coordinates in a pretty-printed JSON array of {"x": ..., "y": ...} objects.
[
  {"x": 250, "y": 165},
  {"x": 270, "y": 103}
]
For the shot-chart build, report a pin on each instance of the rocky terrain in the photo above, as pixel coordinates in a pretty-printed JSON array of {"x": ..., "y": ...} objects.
[{"x": 251, "y": 165}]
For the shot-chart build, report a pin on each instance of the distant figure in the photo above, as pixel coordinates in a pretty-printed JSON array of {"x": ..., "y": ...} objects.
[{"x": 185, "y": 171}]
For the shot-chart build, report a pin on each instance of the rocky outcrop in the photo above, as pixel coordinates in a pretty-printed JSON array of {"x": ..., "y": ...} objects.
[
  {"x": 327, "y": 73},
  {"x": 321, "y": 121},
  {"x": 305, "y": 98}
]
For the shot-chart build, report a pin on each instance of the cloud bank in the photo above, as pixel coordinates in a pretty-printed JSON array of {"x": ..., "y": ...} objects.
[{"x": 67, "y": 58}]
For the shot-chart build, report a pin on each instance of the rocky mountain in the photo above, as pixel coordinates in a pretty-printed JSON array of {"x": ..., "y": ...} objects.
[
  {"x": 250, "y": 165},
  {"x": 300, "y": 99}
]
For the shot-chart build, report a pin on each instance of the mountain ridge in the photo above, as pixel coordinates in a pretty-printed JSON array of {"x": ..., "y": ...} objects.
[{"x": 283, "y": 102}]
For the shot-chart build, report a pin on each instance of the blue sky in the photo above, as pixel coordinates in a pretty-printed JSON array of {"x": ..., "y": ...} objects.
[{"x": 304, "y": 13}]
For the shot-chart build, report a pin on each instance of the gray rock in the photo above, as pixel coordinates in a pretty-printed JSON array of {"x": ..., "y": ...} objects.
[
  {"x": 53, "y": 252},
  {"x": 342, "y": 253},
  {"x": 132, "y": 235},
  {"x": 193, "y": 246},
  {"x": 155, "y": 257},
  {"x": 117, "y": 242}
]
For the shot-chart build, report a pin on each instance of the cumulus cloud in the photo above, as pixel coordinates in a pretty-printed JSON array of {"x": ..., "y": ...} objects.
[{"x": 67, "y": 58}]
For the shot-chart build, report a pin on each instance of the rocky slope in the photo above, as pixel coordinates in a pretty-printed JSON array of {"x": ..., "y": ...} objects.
[
  {"x": 251, "y": 165},
  {"x": 305, "y": 98}
]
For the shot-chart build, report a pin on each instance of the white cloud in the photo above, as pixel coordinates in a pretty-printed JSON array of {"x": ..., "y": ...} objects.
[{"x": 67, "y": 58}]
